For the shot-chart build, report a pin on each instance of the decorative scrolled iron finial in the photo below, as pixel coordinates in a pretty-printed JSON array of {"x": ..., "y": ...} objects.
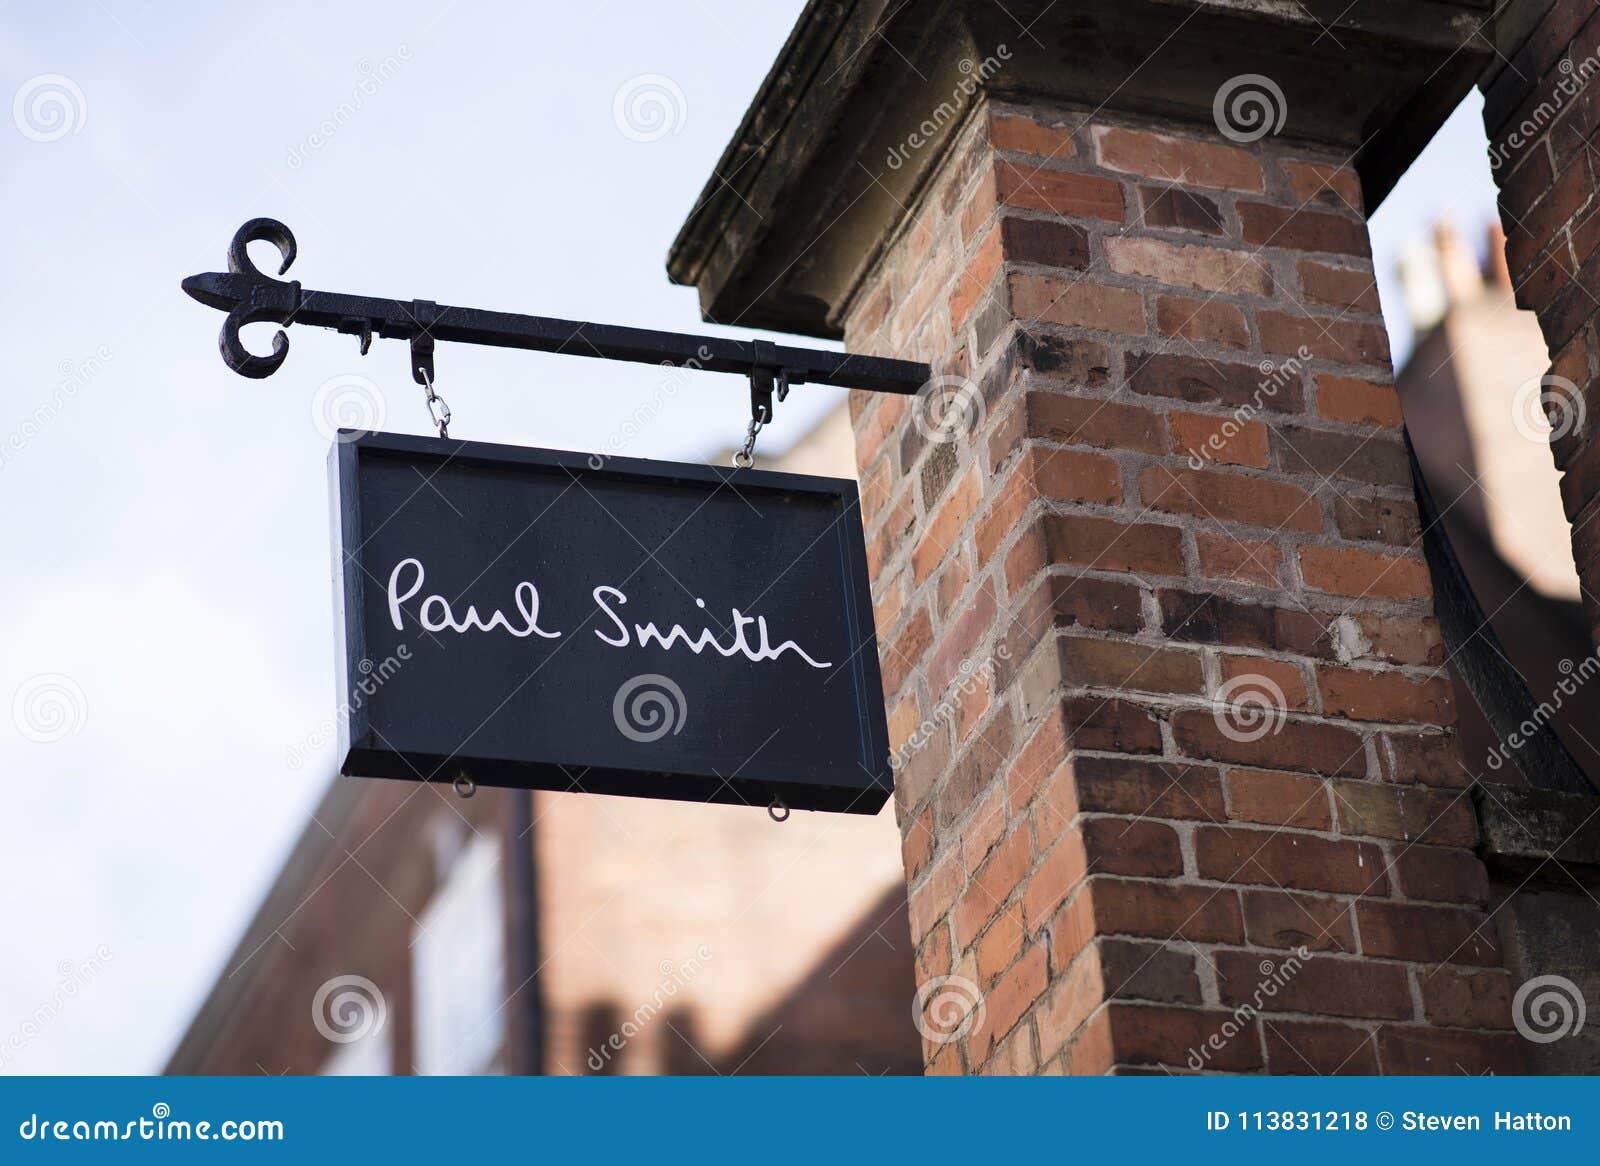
[{"x": 250, "y": 296}]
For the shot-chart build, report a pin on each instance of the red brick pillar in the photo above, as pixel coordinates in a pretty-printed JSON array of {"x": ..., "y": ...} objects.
[
  {"x": 1542, "y": 113},
  {"x": 1177, "y": 781},
  {"x": 1175, "y": 769}
]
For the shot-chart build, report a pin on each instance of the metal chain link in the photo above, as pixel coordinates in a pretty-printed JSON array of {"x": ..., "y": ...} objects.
[
  {"x": 745, "y": 456},
  {"x": 438, "y": 407}
]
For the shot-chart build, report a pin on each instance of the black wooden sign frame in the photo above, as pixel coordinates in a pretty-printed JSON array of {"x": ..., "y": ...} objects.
[{"x": 780, "y": 730}]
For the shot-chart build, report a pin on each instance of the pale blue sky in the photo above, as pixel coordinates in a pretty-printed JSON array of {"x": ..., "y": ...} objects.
[{"x": 167, "y": 520}]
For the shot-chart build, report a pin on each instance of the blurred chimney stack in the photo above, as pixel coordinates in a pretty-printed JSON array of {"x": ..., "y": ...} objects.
[{"x": 1442, "y": 273}]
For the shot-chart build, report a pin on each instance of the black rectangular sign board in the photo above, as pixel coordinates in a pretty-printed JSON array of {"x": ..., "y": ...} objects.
[{"x": 552, "y": 620}]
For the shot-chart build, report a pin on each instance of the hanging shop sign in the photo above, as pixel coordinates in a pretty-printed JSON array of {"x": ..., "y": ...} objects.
[{"x": 547, "y": 620}]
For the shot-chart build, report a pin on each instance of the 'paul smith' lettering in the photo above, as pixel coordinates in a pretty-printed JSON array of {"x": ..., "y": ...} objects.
[
  {"x": 647, "y": 632},
  {"x": 436, "y": 615}
]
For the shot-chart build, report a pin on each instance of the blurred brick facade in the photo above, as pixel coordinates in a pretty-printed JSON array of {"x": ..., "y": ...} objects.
[{"x": 1083, "y": 838}]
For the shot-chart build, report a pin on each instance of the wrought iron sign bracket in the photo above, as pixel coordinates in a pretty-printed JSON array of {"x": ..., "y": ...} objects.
[{"x": 250, "y": 296}]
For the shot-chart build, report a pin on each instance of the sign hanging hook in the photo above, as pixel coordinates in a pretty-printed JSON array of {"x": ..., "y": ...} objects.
[
  {"x": 767, "y": 379},
  {"x": 426, "y": 314}
]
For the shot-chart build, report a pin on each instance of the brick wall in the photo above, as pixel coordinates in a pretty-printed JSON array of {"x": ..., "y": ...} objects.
[
  {"x": 1158, "y": 649},
  {"x": 1542, "y": 112}
]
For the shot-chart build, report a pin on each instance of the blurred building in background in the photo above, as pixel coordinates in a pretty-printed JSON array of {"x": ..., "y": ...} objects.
[
  {"x": 1470, "y": 395},
  {"x": 414, "y": 931}
]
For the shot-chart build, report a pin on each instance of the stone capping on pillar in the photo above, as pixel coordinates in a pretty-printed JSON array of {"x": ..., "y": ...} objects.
[
  {"x": 1527, "y": 832},
  {"x": 866, "y": 95}
]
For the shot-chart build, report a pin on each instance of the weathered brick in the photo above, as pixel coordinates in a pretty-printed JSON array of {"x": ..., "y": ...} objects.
[
  {"x": 1324, "y": 337},
  {"x": 1459, "y": 998},
  {"x": 1173, "y": 208},
  {"x": 1321, "y": 984},
  {"x": 1338, "y": 187},
  {"x": 1235, "y": 560},
  {"x": 1228, "y": 497},
  {"x": 1209, "y": 618},
  {"x": 1442, "y": 875},
  {"x": 1203, "y": 321},
  {"x": 1103, "y": 543},
  {"x": 1210, "y": 382},
  {"x": 1417, "y": 1049},
  {"x": 1364, "y": 694},
  {"x": 1061, "y": 192},
  {"x": 1287, "y": 920},
  {"x": 1266, "y": 225},
  {"x": 1302, "y": 1047},
  {"x": 1358, "y": 573},
  {"x": 1076, "y": 304},
  {"x": 1211, "y": 269},
  {"x": 1222, "y": 440},
  {"x": 1044, "y": 241},
  {"x": 1143, "y": 1034},
  {"x": 1279, "y": 858},
  {"x": 1028, "y": 136},
  {"x": 1278, "y": 799},
  {"x": 1427, "y": 933},
  {"x": 1178, "y": 160},
  {"x": 1357, "y": 402}
]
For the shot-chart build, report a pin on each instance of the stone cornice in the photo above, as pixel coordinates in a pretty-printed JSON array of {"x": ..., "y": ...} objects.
[{"x": 866, "y": 95}]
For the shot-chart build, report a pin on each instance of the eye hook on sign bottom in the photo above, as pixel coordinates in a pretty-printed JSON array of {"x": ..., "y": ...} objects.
[{"x": 778, "y": 811}]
